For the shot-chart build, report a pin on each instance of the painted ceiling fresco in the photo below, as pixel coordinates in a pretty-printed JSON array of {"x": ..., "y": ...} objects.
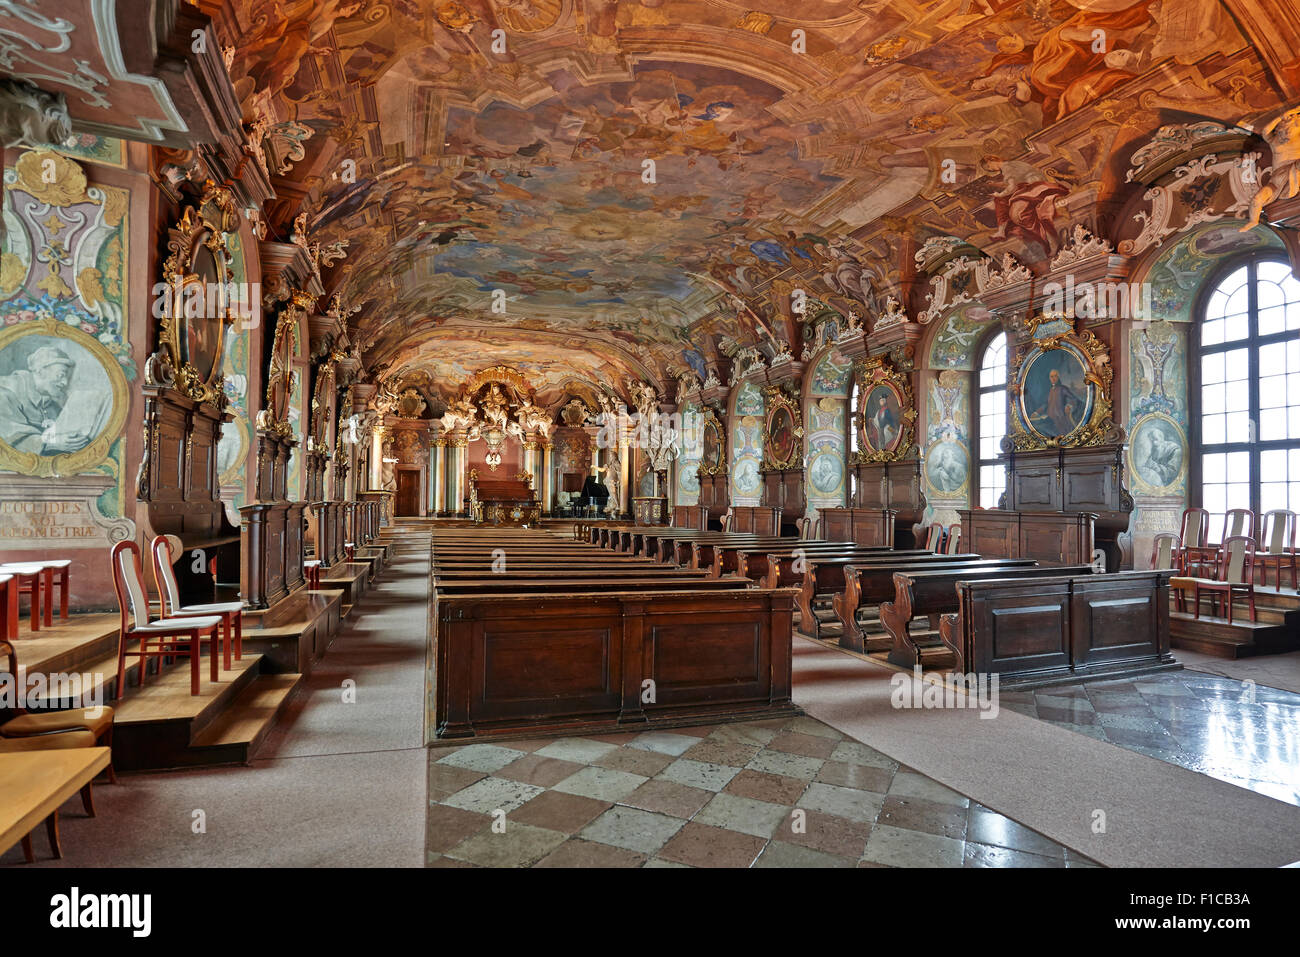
[{"x": 624, "y": 186}]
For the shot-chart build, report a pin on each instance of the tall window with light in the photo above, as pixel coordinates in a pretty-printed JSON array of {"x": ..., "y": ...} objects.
[
  {"x": 1249, "y": 394},
  {"x": 854, "y": 412},
  {"x": 991, "y": 419}
]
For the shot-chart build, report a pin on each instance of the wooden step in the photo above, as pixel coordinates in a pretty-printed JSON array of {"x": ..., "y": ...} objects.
[
  {"x": 156, "y": 725},
  {"x": 1241, "y": 639},
  {"x": 235, "y": 736}
]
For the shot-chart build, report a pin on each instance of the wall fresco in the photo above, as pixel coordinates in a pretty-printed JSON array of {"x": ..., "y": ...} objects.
[
  {"x": 746, "y": 445},
  {"x": 67, "y": 374}
]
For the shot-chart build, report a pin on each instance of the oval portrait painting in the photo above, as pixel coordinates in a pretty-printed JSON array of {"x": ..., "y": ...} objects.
[
  {"x": 781, "y": 435},
  {"x": 55, "y": 396},
  {"x": 882, "y": 419},
  {"x": 1055, "y": 399}
]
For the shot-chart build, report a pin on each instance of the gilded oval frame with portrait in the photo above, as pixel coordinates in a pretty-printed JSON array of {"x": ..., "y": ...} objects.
[{"x": 97, "y": 450}]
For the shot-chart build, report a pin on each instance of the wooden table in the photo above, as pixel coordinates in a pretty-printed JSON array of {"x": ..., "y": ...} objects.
[{"x": 34, "y": 784}]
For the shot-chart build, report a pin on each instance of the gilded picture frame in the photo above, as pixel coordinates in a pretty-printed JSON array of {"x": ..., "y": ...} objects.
[
  {"x": 99, "y": 419},
  {"x": 713, "y": 458},
  {"x": 1059, "y": 387},
  {"x": 886, "y": 417},
  {"x": 782, "y": 431},
  {"x": 195, "y": 295}
]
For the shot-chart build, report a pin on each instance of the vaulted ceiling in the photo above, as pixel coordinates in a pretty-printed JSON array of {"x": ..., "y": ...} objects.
[{"x": 608, "y": 189}]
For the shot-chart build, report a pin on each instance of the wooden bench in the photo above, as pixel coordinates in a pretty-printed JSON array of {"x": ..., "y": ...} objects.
[
  {"x": 933, "y": 593},
  {"x": 1048, "y": 629},
  {"x": 581, "y": 641},
  {"x": 857, "y": 584}
]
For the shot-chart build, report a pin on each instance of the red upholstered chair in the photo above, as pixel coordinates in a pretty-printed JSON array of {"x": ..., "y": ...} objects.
[
  {"x": 97, "y": 720},
  {"x": 1196, "y": 557},
  {"x": 1234, "y": 576},
  {"x": 169, "y": 601},
  {"x": 1277, "y": 546},
  {"x": 35, "y": 579},
  {"x": 174, "y": 637},
  {"x": 952, "y": 544},
  {"x": 311, "y": 572}
]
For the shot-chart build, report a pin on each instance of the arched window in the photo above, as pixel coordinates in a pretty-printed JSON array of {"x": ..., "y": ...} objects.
[
  {"x": 1247, "y": 403},
  {"x": 854, "y": 413},
  {"x": 991, "y": 419}
]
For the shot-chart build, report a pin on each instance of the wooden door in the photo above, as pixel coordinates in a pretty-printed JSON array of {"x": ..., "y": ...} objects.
[{"x": 407, "y": 499}]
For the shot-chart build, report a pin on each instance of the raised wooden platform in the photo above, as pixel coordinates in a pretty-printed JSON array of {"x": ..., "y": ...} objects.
[
  {"x": 296, "y": 630},
  {"x": 163, "y": 726},
  {"x": 1276, "y": 630}
]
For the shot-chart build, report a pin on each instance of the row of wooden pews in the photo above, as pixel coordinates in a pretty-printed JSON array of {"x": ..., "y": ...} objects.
[
  {"x": 535, "y": 633},
  {"x": 892, "y": 602}
]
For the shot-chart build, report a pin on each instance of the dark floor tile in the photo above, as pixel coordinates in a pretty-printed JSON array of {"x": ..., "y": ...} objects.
[
  {"x": 448, "y": 826},
  {"x": 918, "y": 814},
  {"x": 700, "y": 845},
  {"x": 773, "y": 788},
  {"x": 579, "y": 853},
  {"x": 989, "y": 827},
  {"x": 557, "y": 811}
]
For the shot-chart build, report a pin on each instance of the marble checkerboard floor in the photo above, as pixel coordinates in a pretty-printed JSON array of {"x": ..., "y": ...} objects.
[{"x": 780, "y": 793}]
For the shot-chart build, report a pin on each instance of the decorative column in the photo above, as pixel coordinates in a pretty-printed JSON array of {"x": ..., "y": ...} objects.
[
  {"x": 438, "y": 473},
  {"x": 546, "y": 486},
  {"x": 458, "y": 458}
]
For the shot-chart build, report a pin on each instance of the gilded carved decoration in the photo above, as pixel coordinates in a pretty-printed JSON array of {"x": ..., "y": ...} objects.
[
  {"x": 1060, "y": 389},
  {"x": 783, "y": 432},
  {"x": 886, "y": 420},
  {"x": 196, "y": 306}
]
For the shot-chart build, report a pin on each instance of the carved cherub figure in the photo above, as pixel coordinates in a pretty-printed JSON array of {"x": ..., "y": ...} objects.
[{"x": 1283, "y": 136}]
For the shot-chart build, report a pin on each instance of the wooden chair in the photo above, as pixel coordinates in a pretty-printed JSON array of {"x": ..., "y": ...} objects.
[
  {"x": 934, "y": 537},
  {"x": 52, "y": 742},
  {"x": 8, "y": 608},
  {"x": 1165, "y": 553},
  {"x": 1196, "y": 557},
  {"x": 98, "y": 720},
  {"x": 1238, "y": 521},
  {"x": 1277, "y": 546},
  {"x": 175, "y": 637},
  {"x": 58, "y": 575},
  {"x": 33, "y": 578},
  {"x": 952, "y": 544},
  {"x": 1235, "y": 576},
  {"x": 169, "y": 601}
]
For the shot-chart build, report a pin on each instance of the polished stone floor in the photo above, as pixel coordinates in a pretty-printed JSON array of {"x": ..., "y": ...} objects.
[
  {"x": 782, "y": 793},
  {"x": 1244, "y": 734}
]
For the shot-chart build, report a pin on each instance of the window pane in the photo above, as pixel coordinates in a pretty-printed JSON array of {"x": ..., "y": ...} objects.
[
  {"x": 1272, "y": 320},
  {"x": 1236, "y": 327},
  {"x": 1272, "y": 495},
  {"x": 1272, "y": 425},
  {"x": 1237, "y": 397},
  {"x": 1214, "y": 429},
  {"x": 1272, "y": 271},
  {"x": 1239, "y": 470},
  {"x": 1272, "y": 359},
  {"x": 1213, "y": 399},
  {"x": 1212, "y": 332},
  {"x": 1212, "y": 368},
  {"x": 1293, "y": 316},
  {"x": 1236, "y": 364},
  {"x": 1269, "y": 294},
  {"x": 1214, "y": 468}
]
